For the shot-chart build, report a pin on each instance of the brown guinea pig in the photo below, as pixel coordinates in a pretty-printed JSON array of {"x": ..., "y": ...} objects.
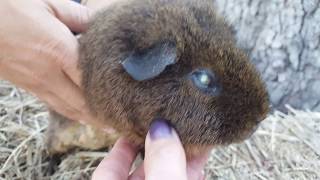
[{"x": 171, "y": 59}]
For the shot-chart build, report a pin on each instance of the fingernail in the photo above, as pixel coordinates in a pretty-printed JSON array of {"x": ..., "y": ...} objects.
[
  {"x": 78, "y": 1},
  {"x": 160, "y": 129}
]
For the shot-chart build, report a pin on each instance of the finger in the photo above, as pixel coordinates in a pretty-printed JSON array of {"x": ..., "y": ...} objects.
[
  {"x": 72, "y": 14},
  {"x": 55, "y": 103},
  {"x": 138, "y": 174},
  {"x": 98, "y": 4},
  {"x": 77, "y": 1},
  {"x": 68, "y": 91},
  {"x": 62, "y": 87},
  {"x": 117, "y": 164},
  {"x": 164, "y": 155},
  {"x": 195, "y": 165},
  {"x": 36, "y": 85},
  {"x": 69, "y": 62},
  {"x": 76, "y": 17},
  {"x": 57, "y": 90}
]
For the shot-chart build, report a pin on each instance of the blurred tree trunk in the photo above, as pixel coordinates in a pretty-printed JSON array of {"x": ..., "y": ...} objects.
[{"x": 282, "y": 38}]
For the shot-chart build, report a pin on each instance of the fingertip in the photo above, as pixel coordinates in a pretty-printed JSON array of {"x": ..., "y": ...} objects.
[
  {"x": 117, "y": 164},
  {"x": 77, "y": 1},
  {"x": 196, "y": 164},
  {"x": 159, "y": 129},
  {"x": 160, "y": 133},
  {"x": 127, "y": 144},
  {"x": 72, "y": 14},
  {"x": 162, "y": 129},
  {"x": 164, "y": 156}
]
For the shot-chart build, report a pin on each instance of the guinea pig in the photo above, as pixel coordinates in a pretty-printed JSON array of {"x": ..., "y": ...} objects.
[{"x": 170, "y": 59}]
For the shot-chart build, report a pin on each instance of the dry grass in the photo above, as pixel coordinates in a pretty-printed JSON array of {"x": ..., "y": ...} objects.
[{"x": 286, "y": 146}]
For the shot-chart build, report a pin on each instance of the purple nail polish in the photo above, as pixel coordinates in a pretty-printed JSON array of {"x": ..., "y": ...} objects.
[
  {"x": 160, "y": 129},
  {"x": 78, "y": 1}
]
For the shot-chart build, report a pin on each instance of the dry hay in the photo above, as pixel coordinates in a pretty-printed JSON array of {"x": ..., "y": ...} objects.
[{"x": 286, "y": 146}]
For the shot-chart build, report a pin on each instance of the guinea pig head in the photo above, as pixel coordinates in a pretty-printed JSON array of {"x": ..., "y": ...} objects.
[{"x": 174, "y": 60}]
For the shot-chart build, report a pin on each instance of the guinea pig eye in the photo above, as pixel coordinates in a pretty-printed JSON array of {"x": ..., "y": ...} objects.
[{"x": 206, "y": 81}]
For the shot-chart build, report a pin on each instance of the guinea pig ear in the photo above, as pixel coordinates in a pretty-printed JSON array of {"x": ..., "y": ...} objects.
[{"x": 149, "y": 63}]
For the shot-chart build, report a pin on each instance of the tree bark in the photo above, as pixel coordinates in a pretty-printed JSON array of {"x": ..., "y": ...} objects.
[{"x": 282, "y": 38}]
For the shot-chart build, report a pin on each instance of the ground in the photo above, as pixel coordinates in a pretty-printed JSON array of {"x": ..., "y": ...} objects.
[{"x": 286, "y": 146}]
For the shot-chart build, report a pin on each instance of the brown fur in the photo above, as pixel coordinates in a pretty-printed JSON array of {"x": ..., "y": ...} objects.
[{"x": 203, "y": 41}]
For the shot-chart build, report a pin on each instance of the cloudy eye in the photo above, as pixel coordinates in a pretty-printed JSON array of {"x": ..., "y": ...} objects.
[{"x": 206, "y": 81}]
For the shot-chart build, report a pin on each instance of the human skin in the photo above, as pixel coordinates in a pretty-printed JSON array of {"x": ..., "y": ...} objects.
[
  {"x": 39, "y": 53},
  {"x": 164, "y": 159},
  {"x": 98, "y": 4}
]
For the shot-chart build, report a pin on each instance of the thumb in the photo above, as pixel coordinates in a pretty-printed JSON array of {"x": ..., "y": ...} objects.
[
  {"x": 72, "y": 14},
  {"x": 164, "y": 154}
]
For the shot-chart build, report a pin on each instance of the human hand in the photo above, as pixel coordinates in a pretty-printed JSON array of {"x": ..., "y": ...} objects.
[
  {"x": 39, "y": 53},
  {"x": 164, "y": 159},
  {"x": 96, "y": 5}
]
